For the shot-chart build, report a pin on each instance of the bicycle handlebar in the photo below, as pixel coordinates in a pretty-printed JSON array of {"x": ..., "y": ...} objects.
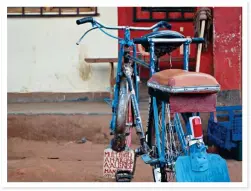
[
  {"x": 176, "y": 40},
  {"x": 136, "y": 41},
  {"x": 168, "y": 40},
  {"x": 157, "y": 25},
  {"x": 84, "y": 20}
]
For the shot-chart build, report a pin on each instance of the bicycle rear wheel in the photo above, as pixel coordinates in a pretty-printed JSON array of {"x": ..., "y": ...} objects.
[{"x": 164, "y": 173}]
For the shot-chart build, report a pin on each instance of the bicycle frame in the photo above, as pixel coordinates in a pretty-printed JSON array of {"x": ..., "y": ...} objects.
[
  {"x": 127, "y": 75},
  {"x": 152, "y": 67},
  {"x": 124, "y": 45}
]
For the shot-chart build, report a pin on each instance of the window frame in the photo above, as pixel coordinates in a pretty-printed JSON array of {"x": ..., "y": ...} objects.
[
  {"x": 60, "y": 14},
  {"x": 168, "y": 10}
]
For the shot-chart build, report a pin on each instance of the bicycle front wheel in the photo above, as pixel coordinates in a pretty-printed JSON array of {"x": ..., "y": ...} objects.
[
  {"x": 122, "y": 133},
  {"x": 122, "y": 106}
]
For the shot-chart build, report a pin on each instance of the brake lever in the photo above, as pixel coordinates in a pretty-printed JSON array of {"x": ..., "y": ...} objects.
[{"x": 93, "y": 28}]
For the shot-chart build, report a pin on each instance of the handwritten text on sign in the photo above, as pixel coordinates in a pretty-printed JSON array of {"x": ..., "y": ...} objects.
[{"x": 114, "y": 161}]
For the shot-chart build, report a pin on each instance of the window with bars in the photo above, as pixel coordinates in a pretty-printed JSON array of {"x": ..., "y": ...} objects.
[
  {"x": 155, "y": 14},
  {"x": 51, "y": 11}
]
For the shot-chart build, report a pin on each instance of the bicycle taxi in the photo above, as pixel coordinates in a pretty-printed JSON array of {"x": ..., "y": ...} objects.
[{"x": 176, "y": 97}]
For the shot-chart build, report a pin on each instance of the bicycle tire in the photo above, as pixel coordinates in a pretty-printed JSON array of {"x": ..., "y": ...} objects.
[
  {"x": 121, "y": 126},
  {"x": 122, "y": 106},
  {"x": 122, "y": 112}
]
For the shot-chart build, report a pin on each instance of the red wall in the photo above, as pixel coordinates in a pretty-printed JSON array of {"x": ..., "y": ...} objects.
[
  {"x": 227, "y": 48},
  {"x": 223, "y": 58}
]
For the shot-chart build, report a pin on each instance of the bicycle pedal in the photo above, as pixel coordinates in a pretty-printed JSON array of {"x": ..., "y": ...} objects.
[
  {"x": 148, "y": 160},
  {"x": 123, "y": 176}
]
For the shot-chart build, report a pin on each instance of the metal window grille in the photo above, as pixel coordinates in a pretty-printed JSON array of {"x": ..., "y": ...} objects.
[
  {"x": 51, "y": 11},
  {"x": 167, "y": 11}
]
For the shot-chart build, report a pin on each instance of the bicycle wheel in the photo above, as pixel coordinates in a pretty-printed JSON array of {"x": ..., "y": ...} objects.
[
  {"x": 123, "y": 130},
  {"x": 122, "y": 106},
  {"x": 122, "y": 133},
  {"x": 172, "y": 145}
]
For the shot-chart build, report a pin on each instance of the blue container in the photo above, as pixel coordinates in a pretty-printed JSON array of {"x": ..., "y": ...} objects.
[
  {"x": 228, "y": 129},
  {"x": 237, "y": 128}
]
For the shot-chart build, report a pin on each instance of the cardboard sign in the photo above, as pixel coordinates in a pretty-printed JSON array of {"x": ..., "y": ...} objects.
[{"x": 114, "y": 161}]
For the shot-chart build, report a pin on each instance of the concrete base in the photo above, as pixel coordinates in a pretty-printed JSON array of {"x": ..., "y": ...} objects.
[{"x": 56, "y": 97}]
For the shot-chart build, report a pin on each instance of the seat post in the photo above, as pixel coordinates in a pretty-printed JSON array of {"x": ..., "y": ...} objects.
[
  {"x": 152, "y": 59},
  {"x": 186, "y": 56}
]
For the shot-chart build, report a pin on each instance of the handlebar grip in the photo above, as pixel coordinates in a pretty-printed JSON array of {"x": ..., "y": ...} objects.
[
  {"x": 198, "y": 40},
  {"x": 84, "y": 20},
  {"x": 165, "y": 24}
]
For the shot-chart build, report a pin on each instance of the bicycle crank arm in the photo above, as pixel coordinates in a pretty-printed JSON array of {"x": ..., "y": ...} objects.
[{"x": 149, "y": 160}]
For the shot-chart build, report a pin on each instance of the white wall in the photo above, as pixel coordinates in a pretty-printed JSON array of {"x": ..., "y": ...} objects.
[{"x": 43, "y": 55}]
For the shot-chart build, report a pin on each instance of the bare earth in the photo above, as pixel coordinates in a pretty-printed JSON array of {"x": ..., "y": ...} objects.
[
  {"x": 64, "y": 161},
  {"x": 36, "y": 161},
  {"x": 43, "y": 148}
]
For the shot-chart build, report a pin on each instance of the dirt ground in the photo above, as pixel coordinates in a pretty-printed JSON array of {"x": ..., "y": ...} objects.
[
  {"x": 37, "y": 161},
  {"x": 43, "y": 148},
  {"x": 60, "y": 161}
]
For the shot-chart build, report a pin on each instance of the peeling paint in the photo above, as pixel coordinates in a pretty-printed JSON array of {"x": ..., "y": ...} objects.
[
  {"x": 227, "y": 47},
  {"x": 229, "y": 62},
  {"x": 225, "y": 37}
]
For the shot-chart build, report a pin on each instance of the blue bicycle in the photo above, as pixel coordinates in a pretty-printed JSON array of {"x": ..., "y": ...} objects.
[{"x": 174, "y": 152}]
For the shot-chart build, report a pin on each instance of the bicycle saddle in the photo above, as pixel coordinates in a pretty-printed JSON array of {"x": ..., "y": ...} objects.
[
  {"x": 160, "y": 48},
  {"x": 182, "y": 81}
]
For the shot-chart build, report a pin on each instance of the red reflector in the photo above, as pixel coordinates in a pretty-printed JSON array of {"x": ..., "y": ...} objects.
[{"x": 197, "y": 128}]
